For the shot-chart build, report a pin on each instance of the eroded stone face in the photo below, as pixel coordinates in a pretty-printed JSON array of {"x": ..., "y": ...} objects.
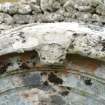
[{"x": 51, "y": 53}]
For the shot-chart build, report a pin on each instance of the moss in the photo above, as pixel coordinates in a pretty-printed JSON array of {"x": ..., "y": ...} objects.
[{"x": 2, "y": 1}]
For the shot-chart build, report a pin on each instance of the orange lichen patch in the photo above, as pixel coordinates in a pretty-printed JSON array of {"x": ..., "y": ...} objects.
[
  {"x": 81, "y": 62},
  {"x": 28, "y": 60},
  {"x": 23, "y": 58}
]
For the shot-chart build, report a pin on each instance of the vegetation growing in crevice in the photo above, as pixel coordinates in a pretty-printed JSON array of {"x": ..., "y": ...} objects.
[{"x": 2, "y": 1}]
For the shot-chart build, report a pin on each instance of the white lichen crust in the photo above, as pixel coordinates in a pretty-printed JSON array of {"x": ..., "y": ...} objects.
[{"x": 54, "y": 40}]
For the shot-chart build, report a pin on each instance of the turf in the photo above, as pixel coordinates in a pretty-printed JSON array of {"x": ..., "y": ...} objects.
[{"x": 2, "y": 1}]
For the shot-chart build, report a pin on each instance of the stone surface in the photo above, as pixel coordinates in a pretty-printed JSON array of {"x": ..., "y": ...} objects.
[
  {"x": 68, "y": 10},
  {"x": 51, "y": 5},
  {"x": 54, "y": 50},
  {"x": 23, "y": 19},
  {"x": 24, "y": 9},
  {"x": 80, "y": 83},
  {"x": 1, "y": 18},
  {"x": 73, "y": 37},
  {"x": 8, "y": 19},
  {"x": 50, "y": 17},
  {"x": 53, "y": 62},
  {"x": 36, "y": 8},
  {"x": 83, "y": 8},
  {"x": 100, "y": 9},
  {"x": 8, "y": 8},
  {"x": 5, "y": 18}
]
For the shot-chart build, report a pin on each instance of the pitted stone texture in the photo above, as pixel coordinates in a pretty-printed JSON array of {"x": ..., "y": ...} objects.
[
  {"x": 33, "y": 87},
  {"x": 76, "y": 38},
  {"x": 85, "y": 40},
  {"x": 58, "y": 10},
  {"x": 50, "y": 17},
  {"x": 51, "y": 53},
  {"x": 101, "y": 9},
  {"x": 36, "y": 8},
  {"x": 6, "y": 18},
  {"x": 49, "y": 5},
  {"x": 23, "y": 19},
  {"x": 24, "y": 9}
]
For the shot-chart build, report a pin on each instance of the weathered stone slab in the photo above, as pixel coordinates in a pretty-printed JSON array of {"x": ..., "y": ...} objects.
[{"x": 52, "y": 41}]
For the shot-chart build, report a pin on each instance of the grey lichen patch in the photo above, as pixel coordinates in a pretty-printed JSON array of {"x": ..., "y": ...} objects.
[
  {"x": 57, "y": 100},
  {"x": 34, "y": 78},
  {"x": 86, "y": 44}
]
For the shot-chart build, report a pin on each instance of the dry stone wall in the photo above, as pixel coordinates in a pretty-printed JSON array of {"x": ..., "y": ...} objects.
[{"x": 24, "y": 12}]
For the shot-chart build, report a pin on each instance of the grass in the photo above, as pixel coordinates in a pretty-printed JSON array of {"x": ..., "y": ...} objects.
[{"x": 2, "y": 1}]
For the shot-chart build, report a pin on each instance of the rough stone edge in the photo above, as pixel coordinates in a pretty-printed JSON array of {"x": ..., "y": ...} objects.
[{"x": 53, "y": 41}]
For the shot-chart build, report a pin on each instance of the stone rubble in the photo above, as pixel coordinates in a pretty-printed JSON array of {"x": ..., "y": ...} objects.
[{"x": 92, "y": 11}]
